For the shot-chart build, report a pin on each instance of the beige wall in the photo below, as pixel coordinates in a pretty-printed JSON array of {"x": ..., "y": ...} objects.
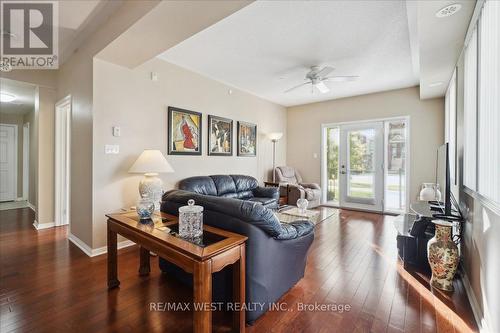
[
  {"x": 426, "y": 129},
  {"x": 129, "y": 99},
  {"x": 46, "y": 145},
  {"x": 32, "y": 191},
  {"x": 75, "y": 78},
  {"x": 481, "y": 243},
  {"x": 16, "y": 119}
]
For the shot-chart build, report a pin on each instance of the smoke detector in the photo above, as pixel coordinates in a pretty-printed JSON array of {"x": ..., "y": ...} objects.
[{"x": 448, "y": 10}]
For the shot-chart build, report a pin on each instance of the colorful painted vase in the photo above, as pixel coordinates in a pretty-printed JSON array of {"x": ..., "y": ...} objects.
[{"x": 443, "y": 256}]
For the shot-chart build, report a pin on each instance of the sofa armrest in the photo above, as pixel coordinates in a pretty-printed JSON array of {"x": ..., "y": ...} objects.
[
  {"x": 266, "y": 192},
  {"x": 295, "y": 230},
  {"x": 311, "y": 185}
]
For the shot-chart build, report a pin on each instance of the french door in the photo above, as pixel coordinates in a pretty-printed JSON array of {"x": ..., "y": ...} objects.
[
  {"x": 361, "y": 159},
  {"x": 365, "y": 164}
]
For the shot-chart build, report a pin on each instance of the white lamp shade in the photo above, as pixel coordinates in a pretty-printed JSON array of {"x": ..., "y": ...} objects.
[
  {"x": 275, "y": 136},
  {"x": 151, "y": 161}
]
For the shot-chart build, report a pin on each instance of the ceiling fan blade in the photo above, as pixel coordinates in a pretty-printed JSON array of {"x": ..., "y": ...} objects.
[
  {"x": 341, "y": 78},
  {"x": 325, "y": 71},
  {"x": 300, "y": 85},
  {"x": 321, "y": 86}
]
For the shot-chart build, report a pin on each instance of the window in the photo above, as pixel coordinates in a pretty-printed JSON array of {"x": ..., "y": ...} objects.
[
  {"x": 470, "y": 113},
  {"x": 395, "y": 165},
  {"x": 451, "y": 124},
  {"x": 489, "y": 102},
  {"x": 332, "y": 167}
]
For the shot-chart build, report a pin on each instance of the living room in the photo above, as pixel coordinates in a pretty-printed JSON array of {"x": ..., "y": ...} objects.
[{"x": 308, "y": 133}]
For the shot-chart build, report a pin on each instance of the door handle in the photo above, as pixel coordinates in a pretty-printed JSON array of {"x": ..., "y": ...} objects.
[{"x": 343, "y": 172}]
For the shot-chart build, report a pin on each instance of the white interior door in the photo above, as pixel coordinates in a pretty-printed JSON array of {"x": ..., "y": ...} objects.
[
  {"x": 361, "y": 166},
  {"x": 8, "y": 162},
  {"x": 62, "y": 162}
]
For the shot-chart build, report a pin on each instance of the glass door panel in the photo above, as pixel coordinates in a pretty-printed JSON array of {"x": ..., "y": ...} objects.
[
  {"x": 361, "y": 164},
  {"x": 361, "y": 161},
  {"x": 395, "y": 166},
  {"x": 332, "y": 165}
]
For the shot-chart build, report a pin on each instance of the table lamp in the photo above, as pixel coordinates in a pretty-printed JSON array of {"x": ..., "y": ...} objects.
[
  {"x": 151, "y": 163},
  {"x": 274, "y": 137}
]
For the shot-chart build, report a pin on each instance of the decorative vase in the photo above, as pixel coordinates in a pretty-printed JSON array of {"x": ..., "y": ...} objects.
[
  {"x": 428, "y": 192},
  {"x": 302, "y": 205},
  {"x": 443, "y": 256},
  {"x": 145, "y": 208},
  {"x": 191, "y": 221}
]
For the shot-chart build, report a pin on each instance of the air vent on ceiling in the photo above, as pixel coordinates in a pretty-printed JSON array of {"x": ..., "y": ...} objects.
[{"x": 448, "y": 10}]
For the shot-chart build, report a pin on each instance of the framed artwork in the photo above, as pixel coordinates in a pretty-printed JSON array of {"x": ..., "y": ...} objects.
[
  {"x": 220, "y": 136},
  {"x": 184, "y": 132},
  {"x": 247, "y": 139}
]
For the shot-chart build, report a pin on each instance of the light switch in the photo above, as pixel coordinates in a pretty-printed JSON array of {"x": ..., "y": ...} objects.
[
  {"x": 116, "y": 131},
  {"x": 315, "y": 155},
  {"x": 111, "y": 149}
]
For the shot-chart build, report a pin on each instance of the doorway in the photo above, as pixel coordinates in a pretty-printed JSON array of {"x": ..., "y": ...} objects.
[
  {"x": 8, "y": 162},
  {"x": 365, "y": 165},
  {"x": 62, "y": 161}
]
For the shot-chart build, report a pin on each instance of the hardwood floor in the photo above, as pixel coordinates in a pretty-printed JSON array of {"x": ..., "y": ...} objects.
[{"x": 48, "y": 285}]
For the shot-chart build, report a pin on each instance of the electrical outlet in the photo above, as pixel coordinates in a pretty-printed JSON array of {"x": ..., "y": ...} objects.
[{"x": 111, "y": 149}]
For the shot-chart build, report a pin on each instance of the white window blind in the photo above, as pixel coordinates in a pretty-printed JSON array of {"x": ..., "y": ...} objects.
[
  {"x": 488, "y": 103},
  {"x": 470, "y": 113},
  {"x": 451, "y": 124}
]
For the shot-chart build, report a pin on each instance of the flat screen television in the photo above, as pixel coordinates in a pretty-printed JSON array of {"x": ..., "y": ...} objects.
[{"x": 443, "y": 179}]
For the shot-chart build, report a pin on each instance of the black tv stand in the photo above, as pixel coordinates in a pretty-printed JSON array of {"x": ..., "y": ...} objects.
[
  {"x": 414, "y": 232},
  {"x": 416, "y": 229}
]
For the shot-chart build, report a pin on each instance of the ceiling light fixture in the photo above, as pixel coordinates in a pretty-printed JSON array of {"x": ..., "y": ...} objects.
[
  {"x": 7, "y": 98},
  {"x": 448, "y": 10},
  {"x": 436, "y": 84}
]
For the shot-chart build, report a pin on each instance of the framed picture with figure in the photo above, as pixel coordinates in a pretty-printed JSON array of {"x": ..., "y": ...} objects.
[
  {"x": 247, "y": 139},
  {"x": 184, "y": 132},
  {"x": 220, "y": 136}
]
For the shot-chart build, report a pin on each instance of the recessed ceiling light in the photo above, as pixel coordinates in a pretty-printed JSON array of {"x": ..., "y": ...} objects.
[
  {"x": 448, "y": 10},
  {"x": 5, "y": 97},
  {"x": 435, "y": 84}
]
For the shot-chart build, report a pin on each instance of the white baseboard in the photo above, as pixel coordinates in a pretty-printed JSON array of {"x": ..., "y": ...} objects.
[
  {"x": 481, "y": 319},
  {"x": 80, "y": 244},
  {"x": 95, "y": 252},
  {"x": 31, "y": 206},
  {"x": 40, "y": 226}
]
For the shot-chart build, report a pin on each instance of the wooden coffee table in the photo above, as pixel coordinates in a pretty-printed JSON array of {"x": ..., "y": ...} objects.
[{"x": 217, "y": 249}]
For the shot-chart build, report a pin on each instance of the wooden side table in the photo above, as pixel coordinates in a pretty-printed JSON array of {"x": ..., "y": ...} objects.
[{"x": 217, "y": 249}]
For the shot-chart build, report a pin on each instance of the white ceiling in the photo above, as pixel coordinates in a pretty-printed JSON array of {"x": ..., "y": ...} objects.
[
  {"x": 25, "y": 97},
  {"x": 269, "y": 46},
  {"x": 440, "y": 42}
]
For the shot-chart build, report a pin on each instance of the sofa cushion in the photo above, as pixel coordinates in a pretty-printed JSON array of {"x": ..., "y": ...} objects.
[
  {"x": 200, "y": 184},
  {"x": 224, "y": 184},
  {"x": 244, "y": 183}
]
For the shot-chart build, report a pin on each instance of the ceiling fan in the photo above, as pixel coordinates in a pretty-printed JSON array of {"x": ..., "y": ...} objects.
[{"x": 317, "y": 77}]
